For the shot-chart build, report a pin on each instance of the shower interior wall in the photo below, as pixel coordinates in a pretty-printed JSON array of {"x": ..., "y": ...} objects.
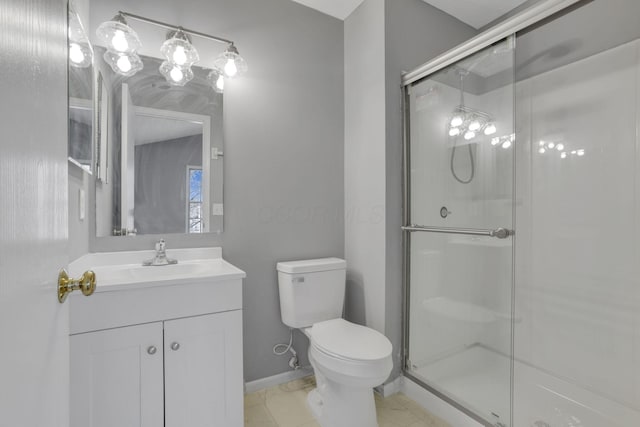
[{"x": 577, "y": 221}]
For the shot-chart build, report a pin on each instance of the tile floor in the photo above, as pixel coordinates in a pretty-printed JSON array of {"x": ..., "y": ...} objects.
[{"x": 285, "y": 406}]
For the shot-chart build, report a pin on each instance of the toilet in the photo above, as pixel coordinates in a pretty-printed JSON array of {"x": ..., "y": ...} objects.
[{"x": 348, "y": 359}]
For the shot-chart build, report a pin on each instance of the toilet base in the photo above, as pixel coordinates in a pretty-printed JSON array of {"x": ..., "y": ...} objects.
[{"x": 338, "y": 405}]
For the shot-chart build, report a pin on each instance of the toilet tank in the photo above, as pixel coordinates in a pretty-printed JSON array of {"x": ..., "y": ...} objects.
[{"x": 311, "y": 291}]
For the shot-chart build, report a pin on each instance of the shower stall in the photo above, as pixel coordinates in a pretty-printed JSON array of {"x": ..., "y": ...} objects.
[{"x": 522, "y": 220}]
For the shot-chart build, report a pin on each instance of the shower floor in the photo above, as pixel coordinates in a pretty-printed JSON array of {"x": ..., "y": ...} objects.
[{"x": 478, "y": 378}]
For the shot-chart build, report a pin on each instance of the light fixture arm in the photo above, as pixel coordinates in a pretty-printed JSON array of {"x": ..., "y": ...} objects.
[{"x": 174, "y": 27}]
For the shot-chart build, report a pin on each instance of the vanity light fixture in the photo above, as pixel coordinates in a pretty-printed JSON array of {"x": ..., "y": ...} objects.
[
  {"x": 122, "y": 43},
  {"x": 80, "y": 50},
  {"x": 231, "y": 62},
  {"x": 180, "y": 55}
]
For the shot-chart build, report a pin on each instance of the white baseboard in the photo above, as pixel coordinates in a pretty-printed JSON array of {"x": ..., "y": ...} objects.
[
  {"x": 435, "y": 405},
  {"x": 278, "y": 379},
  {"x": 390, "y": 388}
]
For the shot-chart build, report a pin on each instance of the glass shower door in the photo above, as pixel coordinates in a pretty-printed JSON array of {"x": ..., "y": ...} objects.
[{"x": 459, "y": 246}]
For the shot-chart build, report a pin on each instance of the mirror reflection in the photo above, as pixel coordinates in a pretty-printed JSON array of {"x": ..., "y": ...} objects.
[
  {"x": 81, "y": 112},
  {"x": 165, "y": 148}
]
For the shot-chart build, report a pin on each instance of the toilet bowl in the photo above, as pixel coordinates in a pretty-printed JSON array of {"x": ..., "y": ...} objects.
[{"x": 348, "y": 359}]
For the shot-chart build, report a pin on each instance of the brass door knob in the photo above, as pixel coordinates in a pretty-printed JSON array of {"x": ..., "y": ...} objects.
[{"x": 85, "y": 283}]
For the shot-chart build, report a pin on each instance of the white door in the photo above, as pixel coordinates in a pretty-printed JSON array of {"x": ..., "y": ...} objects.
[
  {"x": 128, "y": 161},
  {"x": 116, "y": 379},
  {"x": 203, "y": 371},
  {"x": 34, "y": 327}
]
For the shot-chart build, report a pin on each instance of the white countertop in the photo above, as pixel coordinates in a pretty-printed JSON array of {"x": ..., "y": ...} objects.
[{"x": 117, "y": 271}]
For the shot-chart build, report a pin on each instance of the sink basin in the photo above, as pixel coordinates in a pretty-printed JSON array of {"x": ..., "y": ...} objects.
[{"x": 115, "y": 270}]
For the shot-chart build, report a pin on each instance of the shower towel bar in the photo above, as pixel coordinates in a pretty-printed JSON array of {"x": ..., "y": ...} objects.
[{"x": 500, "y": 233}]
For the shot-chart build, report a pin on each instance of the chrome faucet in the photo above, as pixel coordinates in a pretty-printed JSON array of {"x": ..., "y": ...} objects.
[{"x": 161, "y": 256}]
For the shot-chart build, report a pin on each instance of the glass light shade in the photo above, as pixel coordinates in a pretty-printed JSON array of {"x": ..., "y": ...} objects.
[
  {"x": 495, "y": 141},
  {"x": 80, "y": 55},
  {"x": 490, "y": 129},
  {"x": 179, "y": 51},
  {"x": 542, "y": 150},
  {"x": 560, "y": 147},
  {"x": 117, "y": 36},
  {"x": 506, "y": 144},
  {"x": 563, "y": 155},
  {"x": 216, "y": 80},
  {"x": 175, "y": 74},
  {"x": 231, "y": 63},
  {"x": 454, "y": 131},
  {"x": 124, "y": 64},
  {"x": 469, "y": 135},
  {"x": 457, "y": 121},
  {"x": 475, "y": 125}
]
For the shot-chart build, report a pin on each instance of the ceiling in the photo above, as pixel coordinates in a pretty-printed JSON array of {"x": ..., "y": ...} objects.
[
  {"x": 476, "y": 13},
  {"x": 155, "y": 129}
]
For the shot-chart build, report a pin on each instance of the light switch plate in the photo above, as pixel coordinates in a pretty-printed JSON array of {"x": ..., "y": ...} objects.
[{"x": 217, "y": 209}]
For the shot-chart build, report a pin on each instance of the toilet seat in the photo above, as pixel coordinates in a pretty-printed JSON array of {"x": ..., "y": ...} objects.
[
  {"x": 350, "y": 342},
  {"x": 350, "y": 353}
]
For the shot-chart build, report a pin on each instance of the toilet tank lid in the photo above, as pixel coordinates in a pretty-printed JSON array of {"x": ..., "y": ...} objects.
[{"x": 311, "y": 265}]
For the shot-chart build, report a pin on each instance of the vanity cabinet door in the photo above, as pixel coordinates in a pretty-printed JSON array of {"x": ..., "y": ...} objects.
[
  {"x": 203, "y": 371},
  {"x": 116, "y": 377}
]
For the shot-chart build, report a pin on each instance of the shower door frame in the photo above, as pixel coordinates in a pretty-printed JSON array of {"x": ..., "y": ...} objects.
[{"x": 505, "y": 30}]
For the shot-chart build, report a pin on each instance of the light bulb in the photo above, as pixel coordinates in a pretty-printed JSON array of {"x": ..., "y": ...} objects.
[
  {"x": 474, "y": 125},
  {"x": 580, "y": 152},
  {"x": 456, "y": 121},
  {"x": 75, "y": 53},
  {"x": 469, "y": 135},
  {"x": 176, "y": 74},
  {"x": 490, "y": 129},
  {"x": 574, "y": 152},
  {"x": 563, "y": 155},
  {"x": 495, "y": 141},
  {"x": 542, "y": 143},
  {"x": 119, "y": 41},
  {"x": 220, "y": 82},
  {"x": 560, "y": 147},
  {"x": 551, "y": 145},
  {"x": 124, "y": 64},
  {"x": 506, "y": 144},
  {"x": 454, "y": 131},
  {"x": 179, "y": 56},
  {"x": 542, "y": 150},
  {"x": 230, "y": 68}
]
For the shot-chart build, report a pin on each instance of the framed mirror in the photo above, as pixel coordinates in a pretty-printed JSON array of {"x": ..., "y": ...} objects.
[
  {"x": 164, "y": 152},
  {"x": 81, "y": 94}
]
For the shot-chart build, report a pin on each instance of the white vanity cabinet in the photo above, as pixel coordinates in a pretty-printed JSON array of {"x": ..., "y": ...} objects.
[
  {"x": 117, "y": 377},
  {"x": 162, "y": 353},
  {"x": 183, "y": 372}
]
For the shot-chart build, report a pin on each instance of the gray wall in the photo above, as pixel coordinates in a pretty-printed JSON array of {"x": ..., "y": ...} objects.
[
  {"x": 161, "y": 183},
  {"x": 382, "y": 39},
  {"x": 364, "y": 150},
  {"x": 283, "y": 164}
]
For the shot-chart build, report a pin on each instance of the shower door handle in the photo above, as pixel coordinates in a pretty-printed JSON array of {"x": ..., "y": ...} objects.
[{"x": 499, "y": 233}]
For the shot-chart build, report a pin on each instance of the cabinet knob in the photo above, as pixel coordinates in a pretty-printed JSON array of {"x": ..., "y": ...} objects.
[
  {"x": 152, "y": 350},
  {"x": 175, "y": 346}
]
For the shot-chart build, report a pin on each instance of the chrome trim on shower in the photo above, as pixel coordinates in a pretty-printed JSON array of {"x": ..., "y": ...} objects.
[
  {"x": 524, "y": 19},
  {"x": 499, "y": 233}
]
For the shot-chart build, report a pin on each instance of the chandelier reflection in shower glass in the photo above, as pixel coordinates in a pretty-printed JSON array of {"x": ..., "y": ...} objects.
[
  {"x": 123, "y": 43},
  {"x": 468, "y": 123}
]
